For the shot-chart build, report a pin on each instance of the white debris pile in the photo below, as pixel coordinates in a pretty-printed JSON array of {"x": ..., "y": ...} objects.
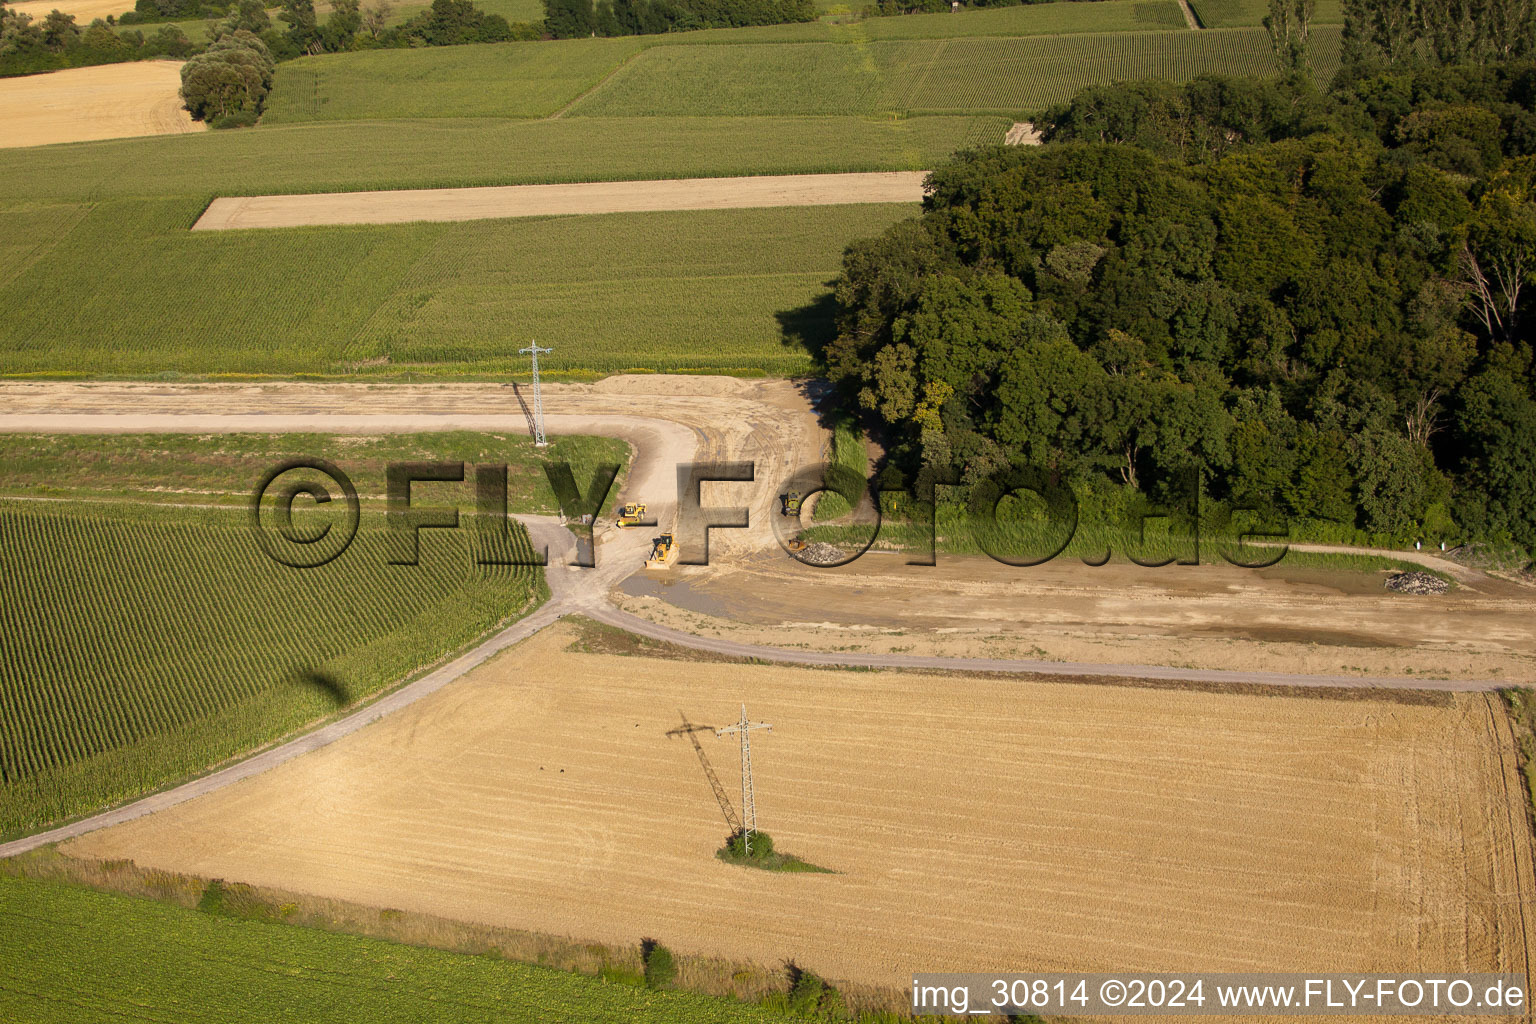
[
  {"x": 822, "y": 554},
  {"x": 1417, "y": 583}
]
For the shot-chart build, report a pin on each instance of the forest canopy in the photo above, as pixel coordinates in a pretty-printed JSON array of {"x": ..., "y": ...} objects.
[{"x": 1319, "y": 300}]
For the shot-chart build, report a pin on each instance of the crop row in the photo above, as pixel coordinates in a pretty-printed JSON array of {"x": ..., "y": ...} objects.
[
  {"x": 966, "y": 75},
  {"x": 126, "y": 291},
  {"x": 536, "y": 79},
  {"x": 137, "y": 635}
]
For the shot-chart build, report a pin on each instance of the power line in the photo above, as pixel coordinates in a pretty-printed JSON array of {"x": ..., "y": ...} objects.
[
  {"x": 538, "y": 395},
  {"x": 748, "y": 801}
]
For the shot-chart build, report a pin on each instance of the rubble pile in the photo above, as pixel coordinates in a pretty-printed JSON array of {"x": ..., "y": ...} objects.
[{"x": 1417, "y": 583}]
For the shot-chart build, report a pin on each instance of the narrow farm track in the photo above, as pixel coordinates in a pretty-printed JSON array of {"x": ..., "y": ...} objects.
[
  {"x": 667, "y": 421},
  {"x": 459, "y": 204}
]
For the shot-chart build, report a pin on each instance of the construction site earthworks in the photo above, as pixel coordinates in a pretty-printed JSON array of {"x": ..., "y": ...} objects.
[
  {"x": 694, "y": 512},
  {"x": 967, "y": 751}
]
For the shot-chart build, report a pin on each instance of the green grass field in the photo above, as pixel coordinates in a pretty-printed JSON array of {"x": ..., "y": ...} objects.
[
  {"x": 75, "y": 956},
  {"x": 148, "y": 640},
  {"x": 700, "y": 290}
]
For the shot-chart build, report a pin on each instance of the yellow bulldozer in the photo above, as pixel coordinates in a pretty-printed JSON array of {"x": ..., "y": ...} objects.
[
  {"x": 663, "y": 552},
  {"x": 631, "y": 514}
]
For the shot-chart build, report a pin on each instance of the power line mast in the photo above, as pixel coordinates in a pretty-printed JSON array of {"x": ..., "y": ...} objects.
[
  {"x": 748, "y": 802},
  {"x": 538, "y": 395}
]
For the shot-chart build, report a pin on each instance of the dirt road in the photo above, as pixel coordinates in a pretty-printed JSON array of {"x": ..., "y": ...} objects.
[
  {"x": 1285, "y": 621},
  {"x": 981, "y": 824},
  {"x": 773, "y": 423},
  {"x": 113, "y": 101},
  {"x": 452, "y": 204}
]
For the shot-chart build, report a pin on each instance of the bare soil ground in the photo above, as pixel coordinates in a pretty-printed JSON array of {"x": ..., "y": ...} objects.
[
  {"x": 1284, "y": 619},
  {"x": 453, "y": 204},
  {"x": 1023, "y": 133},
  {"x": 112, "y": 101},
  {"x": 972, "y": 823}
]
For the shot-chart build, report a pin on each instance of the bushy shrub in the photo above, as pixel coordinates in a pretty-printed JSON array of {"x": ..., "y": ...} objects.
[
  {"x": 762, "y": 845},
  {"x": 813, "y": 996},
  {"x": 660, "y": 967},
  {"x": 233, "y": 76},
  {"x": 242, "y": 119}
]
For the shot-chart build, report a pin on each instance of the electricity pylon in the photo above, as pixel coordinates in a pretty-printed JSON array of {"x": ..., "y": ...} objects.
[
  {"x": 748, "y": 802},
  {"x": 538, "y": 395}
]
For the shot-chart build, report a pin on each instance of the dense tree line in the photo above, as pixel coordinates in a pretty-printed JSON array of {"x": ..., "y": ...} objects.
[
  {"x": 350, "y": 26},
  {"x": 886, "y": 7},
  {"x": 149, "y": 11},
  {"x": 229, "y": 81},
  {"x": 1321, "y": 301},
  {"x": 569, "y": 19},
  {"x": 29, "y": 45}
]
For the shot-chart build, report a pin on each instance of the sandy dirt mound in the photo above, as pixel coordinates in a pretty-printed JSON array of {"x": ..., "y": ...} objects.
[
  {"x": 113, "y": 101},
  {"x": 454, "y": 204},
  {"x": 1211, "y": 616},
  {"x": 1023, "y": 133},
  {"x": 1068, "y": 827}
]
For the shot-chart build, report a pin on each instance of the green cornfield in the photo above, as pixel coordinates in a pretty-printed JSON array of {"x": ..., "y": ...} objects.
[
  {"x": 146, "y": 645},
  {"x": 974, "y": 75},
  {"x": 450, "y": 152},
  {"x": 75, "y": 956},
  {"x": 1234, "y": 13},
  {"x": 101, "y": 276},
  {"x": 223, "y": 469},
  {"x": 533, "y": 79},
  {"x": 125, "y": 290},
  {"x": 537, "y": 79}
]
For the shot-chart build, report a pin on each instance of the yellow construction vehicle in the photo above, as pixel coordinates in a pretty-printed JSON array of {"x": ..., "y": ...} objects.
[
  {"x": 663, "y": 552},
  {"x": 789, "y": 504},
  {"x": 631, "y": 514}
]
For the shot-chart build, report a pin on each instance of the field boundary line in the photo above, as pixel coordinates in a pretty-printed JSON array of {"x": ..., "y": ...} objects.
[
  {"x": 620, "y": 66},
  {"x": 618, "y": 618},
  {"x": 327, "y": 734},
  {"x": 489, "y": 202}
]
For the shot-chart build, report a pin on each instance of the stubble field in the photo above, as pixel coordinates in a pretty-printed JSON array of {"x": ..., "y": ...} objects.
[
  {"x": 113, "y": 101},
  {"x": 971, "y": 823}
]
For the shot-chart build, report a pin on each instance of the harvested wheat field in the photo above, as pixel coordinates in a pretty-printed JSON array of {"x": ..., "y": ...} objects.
[
  {"x": 85, "y": 11},
  {"x": 972, "y": 823},
  {"x": 112, "y": 101},
  {"x": 455, "y": 204}
]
